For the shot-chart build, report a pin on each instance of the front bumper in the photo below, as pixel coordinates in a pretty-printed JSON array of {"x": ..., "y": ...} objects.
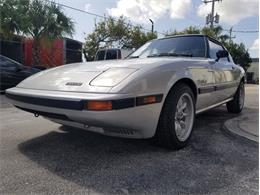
[{"x": 68, "y": 108}]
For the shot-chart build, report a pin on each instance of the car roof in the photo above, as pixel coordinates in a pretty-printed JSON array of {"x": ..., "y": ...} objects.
[
  {"x": 184, "y": 35},
  {"x": 11, "y": 60}
]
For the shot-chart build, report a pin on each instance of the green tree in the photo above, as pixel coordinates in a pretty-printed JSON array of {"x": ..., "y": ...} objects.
[
  {"x": 115, "y": 33},
  {"x": 11, "y": 17},
  {"x": 137, "y": 37},
  {"x": 36, "y": 18},
  {"x": 188, "y": 30},
  {"x": 239, "y": 53},
  {"x": 107, "y": 33},
  {"x": 216, "y": 32}
]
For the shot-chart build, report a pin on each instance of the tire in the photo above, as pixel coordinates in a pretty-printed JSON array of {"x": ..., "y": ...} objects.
[
  {"x": 237, "y": 104},
  {"x": 170, "y": 119}
]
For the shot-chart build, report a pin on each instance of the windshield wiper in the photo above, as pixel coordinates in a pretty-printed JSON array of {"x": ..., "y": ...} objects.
[{"x": 170, "y": 54}]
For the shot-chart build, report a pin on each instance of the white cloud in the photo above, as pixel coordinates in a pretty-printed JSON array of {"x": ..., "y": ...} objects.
[
  {"x": 179, "y": 8},
  {"x": 88, "y": 7},
  {"x": 255, "y": 45},
  {"x": 231, "y": 11},
  {"x": 142, "y": 10}
]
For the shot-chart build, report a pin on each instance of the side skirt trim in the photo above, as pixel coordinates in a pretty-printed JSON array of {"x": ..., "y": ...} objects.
[
  {"x": 213, "y": 106},
  {"x": 212, "y": 88}
]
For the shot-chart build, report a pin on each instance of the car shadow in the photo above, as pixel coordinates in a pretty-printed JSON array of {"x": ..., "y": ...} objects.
[{"x": 211, "y": 161}]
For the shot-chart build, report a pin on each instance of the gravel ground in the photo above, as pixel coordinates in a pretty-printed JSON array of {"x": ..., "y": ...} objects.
[{"x": 38, "y": 156}]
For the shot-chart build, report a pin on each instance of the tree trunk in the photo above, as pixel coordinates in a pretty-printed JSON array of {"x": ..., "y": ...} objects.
[{"x": 36, "y": 51}]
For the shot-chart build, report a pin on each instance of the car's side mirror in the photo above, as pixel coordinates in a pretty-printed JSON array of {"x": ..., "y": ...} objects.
[{"x": 221, "y": 54}]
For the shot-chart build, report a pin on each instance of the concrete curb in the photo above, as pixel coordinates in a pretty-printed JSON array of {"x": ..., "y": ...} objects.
[{"x": 245, "y": 126}]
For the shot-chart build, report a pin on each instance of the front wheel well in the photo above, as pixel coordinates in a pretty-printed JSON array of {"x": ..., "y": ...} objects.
[{"x": 190, "y": 83}]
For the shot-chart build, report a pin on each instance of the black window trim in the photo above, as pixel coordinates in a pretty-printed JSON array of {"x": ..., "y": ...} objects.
[
  {"x": 216, "y": 42},
  {"x": 206, "y": 47}
]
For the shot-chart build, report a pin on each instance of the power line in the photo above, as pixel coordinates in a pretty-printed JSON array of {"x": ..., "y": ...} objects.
[
  {"x": 104, "y": 17},
  {"x": 243, "y": 31},
  {"x": 97, "y": 15},
  {"x": 212, "y": 19}
]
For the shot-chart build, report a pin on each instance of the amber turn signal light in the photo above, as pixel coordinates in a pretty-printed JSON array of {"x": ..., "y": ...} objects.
[
  {"x": 99, "y": 105},
  {"x": 149, "y": 100}
]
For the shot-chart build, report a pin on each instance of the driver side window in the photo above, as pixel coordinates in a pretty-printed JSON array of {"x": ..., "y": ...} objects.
[{"x": 213, "y": 49}]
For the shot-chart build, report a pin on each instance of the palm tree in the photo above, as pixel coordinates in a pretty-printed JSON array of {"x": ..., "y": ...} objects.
[
  {"x": 46, "y": 21},
  {"x": 192, "y": 30},
  {"x": 39, "y": 19}
]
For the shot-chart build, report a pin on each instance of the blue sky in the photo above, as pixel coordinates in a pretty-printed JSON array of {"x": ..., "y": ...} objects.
[{"x": 169, "y": 15}]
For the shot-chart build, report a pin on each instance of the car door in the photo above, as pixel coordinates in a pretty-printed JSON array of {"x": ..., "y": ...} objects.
[
  {"x": 202, "y": 71},
  {"x": 224, "y": 73}
]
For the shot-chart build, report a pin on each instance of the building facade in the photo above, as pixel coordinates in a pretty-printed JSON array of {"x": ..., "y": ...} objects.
[{"x": 253, "y": 71}]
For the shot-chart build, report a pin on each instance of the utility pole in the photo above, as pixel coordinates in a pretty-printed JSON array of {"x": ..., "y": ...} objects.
[
  {"x": 212, "y": 13},
  {"x": 230, "y": 34},
  {"x": 211, "y": 18},
  {"x": 152, "y": 24}
]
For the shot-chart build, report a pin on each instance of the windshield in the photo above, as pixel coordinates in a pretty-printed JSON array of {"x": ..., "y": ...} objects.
[{"x": 190, "y": 46}]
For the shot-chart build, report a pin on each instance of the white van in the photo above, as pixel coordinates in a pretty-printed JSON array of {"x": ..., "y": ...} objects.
[{"x": 112, "y": 54}]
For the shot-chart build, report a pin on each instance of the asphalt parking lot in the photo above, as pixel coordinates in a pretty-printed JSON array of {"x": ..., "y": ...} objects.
[{"x": 37, "y": 156}]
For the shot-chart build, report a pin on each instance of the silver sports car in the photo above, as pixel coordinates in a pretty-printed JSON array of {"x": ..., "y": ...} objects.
[{"x": 155, "y": 92}]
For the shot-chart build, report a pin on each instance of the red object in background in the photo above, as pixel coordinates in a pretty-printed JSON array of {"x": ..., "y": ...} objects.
[
  {"x": 28, "y": 52},
  {"x": 51, "y": 54}
]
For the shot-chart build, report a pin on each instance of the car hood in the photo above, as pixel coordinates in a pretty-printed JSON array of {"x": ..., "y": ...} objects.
[{"x": 77, "y": 77}]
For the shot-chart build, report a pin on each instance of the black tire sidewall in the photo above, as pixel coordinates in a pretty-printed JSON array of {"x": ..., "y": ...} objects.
[
  {"x": 233, "y": 106},
  {"x": 167, "y": 120},
  {"x": 238, "y": 93}
]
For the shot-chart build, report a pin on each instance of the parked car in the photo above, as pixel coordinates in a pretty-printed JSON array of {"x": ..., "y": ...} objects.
[
  {"x": 12, "y": 72},
  {"x": 156, "y": 92}
]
